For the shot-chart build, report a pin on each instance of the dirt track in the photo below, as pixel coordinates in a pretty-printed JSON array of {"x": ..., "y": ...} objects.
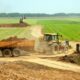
[
  {"x": 34, "y": 68},
  {"x": 56, "y": 64},
  {"x": 21, "y": 70},
  {"x": 45, "y": 62}
]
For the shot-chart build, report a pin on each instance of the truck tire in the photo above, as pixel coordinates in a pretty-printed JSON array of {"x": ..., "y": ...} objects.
[
  {"x": 16, "y": 52},
  {"x": 1, "y": 53},
  {"x": 7, "y": 53}
]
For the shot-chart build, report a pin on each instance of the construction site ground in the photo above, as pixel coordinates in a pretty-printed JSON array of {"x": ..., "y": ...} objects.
[
  {"x": 33, "y": 67},
  {"x": 36, "y": 66}
]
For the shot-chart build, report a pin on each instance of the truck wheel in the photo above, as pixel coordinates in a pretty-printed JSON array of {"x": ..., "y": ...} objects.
[
  {"x": 7, "y": 53},
  {"x": 1, "y": 53},
  {"x": 16, "y": 52}
]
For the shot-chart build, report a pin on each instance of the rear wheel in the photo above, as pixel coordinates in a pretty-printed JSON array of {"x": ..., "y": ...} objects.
[
  {"x": 7, "y": 53},
  {"x": 16, "y": 52},
  {"x": 55, "y": 48},
  {"x": 1, "y": 53}
]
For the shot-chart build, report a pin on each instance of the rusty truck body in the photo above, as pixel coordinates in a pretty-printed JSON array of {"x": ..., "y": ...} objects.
[{"x": 11, "y": 46}]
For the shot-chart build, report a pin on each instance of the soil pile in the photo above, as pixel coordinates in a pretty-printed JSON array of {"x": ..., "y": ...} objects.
[
  {"x": 73, "y": 58},
  {"x": 15, "y": 25},
  {"x": 15, "y": 38}
]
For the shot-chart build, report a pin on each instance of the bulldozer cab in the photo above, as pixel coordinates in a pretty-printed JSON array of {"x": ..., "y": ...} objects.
[{"x": 55, "y": 37}]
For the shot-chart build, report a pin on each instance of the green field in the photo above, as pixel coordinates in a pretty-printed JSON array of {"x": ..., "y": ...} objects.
[
  {"x": 11, "y": 32},
  {"x": 68, "y": 27}
]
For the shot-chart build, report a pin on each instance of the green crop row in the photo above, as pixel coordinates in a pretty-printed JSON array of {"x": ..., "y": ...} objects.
[{"x": 69, "y": 29}]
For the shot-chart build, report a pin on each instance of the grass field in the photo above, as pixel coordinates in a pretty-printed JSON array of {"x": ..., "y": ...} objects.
[
  {"x": 11, "y": 32},
  {"x": 68, "y": 27}
]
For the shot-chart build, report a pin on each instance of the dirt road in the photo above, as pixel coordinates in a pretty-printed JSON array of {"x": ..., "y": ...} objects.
[
  {"x": 56, "y": 64},
  {"x": 22, "y": 70},
  {"x": 45, "y": 62}
]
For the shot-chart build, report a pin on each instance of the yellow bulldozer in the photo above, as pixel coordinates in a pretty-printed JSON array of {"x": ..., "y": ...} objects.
[{"x": 52, "y": 42}]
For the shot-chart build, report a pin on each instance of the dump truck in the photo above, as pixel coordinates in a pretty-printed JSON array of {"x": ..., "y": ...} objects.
[{"x": 12, "y": 46}]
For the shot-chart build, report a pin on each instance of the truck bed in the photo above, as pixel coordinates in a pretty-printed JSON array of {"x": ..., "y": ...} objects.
[{"x": 17, "y": 43}]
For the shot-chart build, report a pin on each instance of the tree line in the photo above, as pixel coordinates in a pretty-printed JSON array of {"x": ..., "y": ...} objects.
[{"x": 39, "y": 15}]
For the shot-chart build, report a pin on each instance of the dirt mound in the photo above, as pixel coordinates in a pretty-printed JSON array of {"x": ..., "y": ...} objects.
[
  {"x": 73, "y": 58},
  {"x": 29, "y": 71},
  {"x": 15, "y": 25},
  {"x": 15, "y": 38}
]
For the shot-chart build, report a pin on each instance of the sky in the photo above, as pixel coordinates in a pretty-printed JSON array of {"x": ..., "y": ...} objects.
[{"x": 40, "y": 6}]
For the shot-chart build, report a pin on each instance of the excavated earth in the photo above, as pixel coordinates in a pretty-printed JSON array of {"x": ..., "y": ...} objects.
[
  {"x": 21, "y": 70},
  {"x": 15, "y": 25}
]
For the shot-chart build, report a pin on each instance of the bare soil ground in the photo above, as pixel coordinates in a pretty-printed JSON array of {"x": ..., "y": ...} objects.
[
  {"x": 15, "y": 25},
  {"x": 30, "y": 71}
]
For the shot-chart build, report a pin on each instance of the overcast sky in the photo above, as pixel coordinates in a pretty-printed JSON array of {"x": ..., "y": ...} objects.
[{"x": 40, "y": 6}]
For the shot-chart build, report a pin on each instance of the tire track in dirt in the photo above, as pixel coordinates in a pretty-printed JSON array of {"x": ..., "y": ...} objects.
[
  {"x": 56, "y": 64},
  {"x": 45, "y": 62}
]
